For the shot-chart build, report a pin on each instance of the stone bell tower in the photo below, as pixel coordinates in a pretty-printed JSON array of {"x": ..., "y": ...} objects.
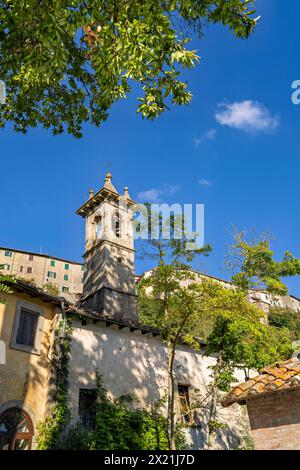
[{"x": 109, "y": 284}]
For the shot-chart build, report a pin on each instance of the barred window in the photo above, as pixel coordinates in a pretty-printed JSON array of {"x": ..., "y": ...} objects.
[{"x": 87, "y": 408}]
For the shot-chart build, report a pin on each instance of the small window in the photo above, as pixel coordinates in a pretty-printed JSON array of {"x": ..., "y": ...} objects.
[
  {"x": 30, "y": 257},
  {"x": 66, "y": 277},
  {"x": 52, "y": 263},
  {"x": 67, "y": 266},
  {"x": 116, "y": 227},
  {"x": 29, "y": 270},
  {"x": 52, "y": 274},
  {"x": 6, "y": 267},
  {"x": 65, "y": 289},
  {"x": 21, "y": 269},
  {"x": 27, "y": 328},
  {"x": 8, "y": 254},
  {"x": 184, "y": 399},
  {"x": 87, "y": 408}
]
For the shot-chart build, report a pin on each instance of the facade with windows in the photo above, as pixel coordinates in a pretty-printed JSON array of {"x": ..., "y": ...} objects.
[
  {"x": 44, "y": 271},
  {"x": 28, "y": 320}
]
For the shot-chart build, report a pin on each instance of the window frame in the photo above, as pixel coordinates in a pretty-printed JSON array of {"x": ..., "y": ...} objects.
[
  {"x": 185, "y": 408},
  {"x": 52, "y": 263},
  {"x": 13, "y": 437},
  {"x": 51, "y": 274},
  {"x": 67, "y": 266},
  {"x": 94, "y": 391},
  {"x": 8, "y": 254},
  {"x": 66, "y": 277},
  {"x": 39, "y": 312}
]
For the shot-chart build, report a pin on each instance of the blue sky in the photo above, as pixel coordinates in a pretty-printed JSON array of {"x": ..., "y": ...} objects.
[{"x": 240, "y": 159}]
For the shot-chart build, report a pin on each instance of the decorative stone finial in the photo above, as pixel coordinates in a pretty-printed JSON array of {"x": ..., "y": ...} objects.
[
  {"x": 108, "y": 184},
  {"x": 108, "y": 177},
  {"x": 126, "y": 194},
  {"x": 91, "y": 191}
]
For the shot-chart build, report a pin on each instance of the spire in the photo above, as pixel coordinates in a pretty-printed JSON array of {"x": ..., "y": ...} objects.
[{"x": 108, "y": 184}]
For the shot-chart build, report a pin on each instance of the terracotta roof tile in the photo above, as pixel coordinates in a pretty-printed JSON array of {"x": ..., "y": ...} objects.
[{"x": 278, "y": 376}]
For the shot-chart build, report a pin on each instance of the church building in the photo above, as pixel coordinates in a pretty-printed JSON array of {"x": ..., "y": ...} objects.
[{"x": 107, "y": 338}]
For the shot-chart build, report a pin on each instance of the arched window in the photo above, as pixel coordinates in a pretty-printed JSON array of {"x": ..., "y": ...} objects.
[
  {"x": 98, "y": 224},
  {"x": 16, "y": 430},
  {"x": 116, "y": 224}
]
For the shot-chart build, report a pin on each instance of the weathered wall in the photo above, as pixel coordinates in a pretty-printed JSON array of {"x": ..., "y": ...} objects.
[
  {"x": 25, "y": 379},
  {"x": 275, "y": 420},
  {"x": 131, "y": 363}
]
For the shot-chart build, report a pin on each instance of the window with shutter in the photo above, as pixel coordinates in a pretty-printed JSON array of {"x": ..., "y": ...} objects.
[{"x": 27, "y": 328}]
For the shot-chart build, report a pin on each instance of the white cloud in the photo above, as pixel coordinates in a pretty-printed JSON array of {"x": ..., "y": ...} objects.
[
  {"x": 205, "y": 182},
  {"x": 207, "y": 135},
  {"x": 247, "y": 115},
  {"x": 155, "y": 195}
]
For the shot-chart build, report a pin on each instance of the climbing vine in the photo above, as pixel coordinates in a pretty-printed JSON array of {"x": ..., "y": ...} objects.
[
  {"x": 117, "y": 425},
  {"x": 50, "y": 430},
  {"x": 120, "y": 427}
]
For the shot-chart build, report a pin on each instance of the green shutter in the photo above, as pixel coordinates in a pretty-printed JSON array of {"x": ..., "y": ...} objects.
[
  {"x": 52, "y": 263},
  {"x": 67, "y": 267}
]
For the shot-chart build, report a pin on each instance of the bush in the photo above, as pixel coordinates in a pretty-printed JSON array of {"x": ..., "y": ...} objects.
[{"x": 118, "y": 427}]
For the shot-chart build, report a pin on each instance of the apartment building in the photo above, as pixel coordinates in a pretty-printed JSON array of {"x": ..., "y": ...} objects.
[{"x": 43, "y": 270}]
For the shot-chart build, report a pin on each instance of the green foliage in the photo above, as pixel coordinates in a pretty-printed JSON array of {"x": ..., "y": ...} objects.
[
  {"x": 257, "y": 267},
  {"x": 5, "y": 288},
  {"x": 49, "y": 431},
  {"x": 51, "y": 289},
  {"x": 119, "y": 427},
  {"x": 287, "y": 318},
  {"x": 66, "y": 62},
  {"x": 245, "y": 342}
]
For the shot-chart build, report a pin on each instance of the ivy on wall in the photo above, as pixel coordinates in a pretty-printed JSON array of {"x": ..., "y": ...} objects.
[
  {"x": 120, "y": 427},
  {"x": 117, "y": 425},
  {"x": 50, "y": 430}
]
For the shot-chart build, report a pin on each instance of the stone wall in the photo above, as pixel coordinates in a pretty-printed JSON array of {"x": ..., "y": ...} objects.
[
  {"x": 275, "y": 420},
  {"x": 135, "y": 364}
]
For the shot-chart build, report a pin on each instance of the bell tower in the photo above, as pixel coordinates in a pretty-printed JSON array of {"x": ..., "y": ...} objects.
[{"x": 109, "y": 283}]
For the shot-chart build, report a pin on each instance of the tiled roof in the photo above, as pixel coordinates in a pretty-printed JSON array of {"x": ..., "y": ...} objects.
[{"x": 277, "y": 377}]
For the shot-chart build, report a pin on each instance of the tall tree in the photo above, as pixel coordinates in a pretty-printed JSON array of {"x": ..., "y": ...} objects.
[
  {"x": 256, "y": 266},
  {"x": 172, "y": 298},
  {"x": 66, "y": 62},
  {"x": 241, "y": 341}
]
